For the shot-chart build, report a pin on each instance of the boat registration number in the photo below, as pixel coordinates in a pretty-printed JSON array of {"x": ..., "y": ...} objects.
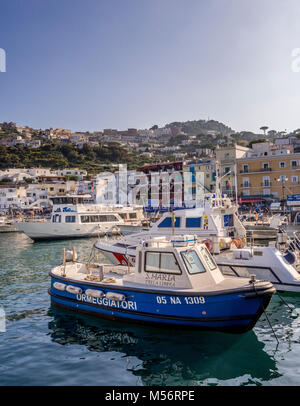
[{"x": 180, "y": 300}]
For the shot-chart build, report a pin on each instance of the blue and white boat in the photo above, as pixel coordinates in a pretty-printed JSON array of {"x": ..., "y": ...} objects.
[{"x": 175, "y": 281}]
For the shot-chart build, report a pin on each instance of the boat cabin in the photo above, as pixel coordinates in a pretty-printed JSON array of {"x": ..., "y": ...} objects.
[
  {"x": 216, "y": 217},
  {"x": 179, "y": 262},
  {"x": 74, "y": 209},
  {"x": 129, "y": 214}
]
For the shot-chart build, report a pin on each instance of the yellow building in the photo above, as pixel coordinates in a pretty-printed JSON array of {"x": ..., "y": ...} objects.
[
  {"x": 268, "y": 177},
  {"x": 208, "y": 178}
]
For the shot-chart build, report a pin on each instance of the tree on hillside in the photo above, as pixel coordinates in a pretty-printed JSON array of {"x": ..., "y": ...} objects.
[
  {"x": 8, "y": 126},
  {"x": 264, "y": 129}
]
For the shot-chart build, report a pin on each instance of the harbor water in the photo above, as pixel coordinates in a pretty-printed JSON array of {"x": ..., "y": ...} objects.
[{"x": 43, "y": 345}]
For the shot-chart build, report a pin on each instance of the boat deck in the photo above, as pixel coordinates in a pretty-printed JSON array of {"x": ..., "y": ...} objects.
[{"x": 123, "y": 277}]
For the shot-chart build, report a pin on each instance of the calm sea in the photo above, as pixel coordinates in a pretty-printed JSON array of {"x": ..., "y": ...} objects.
[{"x": 43, "y": 345}]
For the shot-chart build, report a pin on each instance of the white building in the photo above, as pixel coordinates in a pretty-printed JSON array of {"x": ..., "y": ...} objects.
[
  {"x": 80, "y": 173},
  {"x": 12, "y": 197}
]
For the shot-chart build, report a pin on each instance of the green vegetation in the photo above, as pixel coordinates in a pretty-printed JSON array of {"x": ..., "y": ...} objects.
[
  {"x": 57, "y": 156},
  {"x": 4, "y": 180},
  {"x": 201, "y": 126}
]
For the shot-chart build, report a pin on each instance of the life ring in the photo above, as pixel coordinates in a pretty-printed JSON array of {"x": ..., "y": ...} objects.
[
  {"x": 209, "y": 244},
  {"x": 237, "y": 242}
]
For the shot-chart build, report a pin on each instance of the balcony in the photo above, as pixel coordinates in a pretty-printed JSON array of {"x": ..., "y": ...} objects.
[
  {"x": 256, "y": 170},
  {"x": 266, "y": 184},
  {"x": 246, "y": 185}
]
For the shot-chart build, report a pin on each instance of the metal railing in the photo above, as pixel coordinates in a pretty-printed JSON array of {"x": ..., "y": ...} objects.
[{"x": 256, "y": 170}]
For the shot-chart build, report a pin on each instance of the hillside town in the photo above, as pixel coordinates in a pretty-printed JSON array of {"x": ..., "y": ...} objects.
[{"x": 251, "y": 168}]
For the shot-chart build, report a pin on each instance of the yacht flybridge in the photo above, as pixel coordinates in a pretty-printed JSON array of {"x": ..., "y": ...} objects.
[
  {"x": 73, "y": 218},
  {"x": 175, "y": 281}
]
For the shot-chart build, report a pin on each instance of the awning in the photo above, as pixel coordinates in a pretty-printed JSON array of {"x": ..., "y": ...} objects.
[{"x": 250, "y": 200}]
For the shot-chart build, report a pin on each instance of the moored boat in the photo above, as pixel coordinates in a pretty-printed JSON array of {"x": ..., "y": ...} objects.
[
  {"x": 175, "y": 281},
  {"x": 71, "y": 217}
]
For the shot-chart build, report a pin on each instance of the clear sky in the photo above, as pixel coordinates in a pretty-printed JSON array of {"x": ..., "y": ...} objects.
[{"x": 95, "y": 64}]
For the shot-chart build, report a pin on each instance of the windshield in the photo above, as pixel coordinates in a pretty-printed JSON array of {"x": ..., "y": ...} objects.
[
  {"x": 192, "y": 262},
  {"x": 208, "y": 258}
]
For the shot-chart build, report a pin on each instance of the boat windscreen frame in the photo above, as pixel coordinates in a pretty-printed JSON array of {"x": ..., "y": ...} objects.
[
  {"x": 187, "y": 263},
  {"x": 208, "y": 258}
]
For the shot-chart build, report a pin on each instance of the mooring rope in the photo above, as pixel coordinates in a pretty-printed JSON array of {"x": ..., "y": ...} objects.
[
  {"x": 281, "y": 298},
  {"x": 265, "y": 313}
]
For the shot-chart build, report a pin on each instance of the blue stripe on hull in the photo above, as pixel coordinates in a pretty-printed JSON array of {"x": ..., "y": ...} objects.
[
  {"x": 211, "y": 312},
  {"x": 137, "y": 317}
]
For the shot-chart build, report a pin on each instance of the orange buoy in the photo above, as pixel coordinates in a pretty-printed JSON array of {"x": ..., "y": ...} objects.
[{"x": 237, "y": 242}]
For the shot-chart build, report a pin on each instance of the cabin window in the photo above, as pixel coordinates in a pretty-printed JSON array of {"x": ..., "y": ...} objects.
[
  {"x": 84, "y": 219},
  {"x": 208, "y": 258},
  {"x": 193, "y": 222},
  {"x": 110, "y": 217},
  {"x": 226, "y": 270},
  {"x": 167, "y": 222},
  {"x": 132, "y": 215},
  {"x": 123, "y": 215},
  {"x": 260, "y": 273},
  {"x": 98, "y": 219},
  {"x": 70, "y": 219},
  {"x": 164, "y": 262},
  {"x": 55, "y": 200},
  {"x": 228, "y": 220},
  {"x": 192, "y": 262}
]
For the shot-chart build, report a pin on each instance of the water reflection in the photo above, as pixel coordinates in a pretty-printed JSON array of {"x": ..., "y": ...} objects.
[
  {"x": 35, "y": 352},
  {"x": 168, "y": 357}
]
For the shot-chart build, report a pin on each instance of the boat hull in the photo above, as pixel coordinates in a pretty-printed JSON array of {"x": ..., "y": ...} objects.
[
  {"x": 235, "y": 312},
  {"x": 39, "y": 231}
]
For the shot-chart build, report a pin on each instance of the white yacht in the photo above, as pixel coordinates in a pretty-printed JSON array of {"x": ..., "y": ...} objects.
[{"x": 73, "y": 218}]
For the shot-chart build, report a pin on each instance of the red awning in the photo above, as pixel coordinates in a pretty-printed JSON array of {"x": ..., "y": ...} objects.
[{"x": 250, "y": 200}]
